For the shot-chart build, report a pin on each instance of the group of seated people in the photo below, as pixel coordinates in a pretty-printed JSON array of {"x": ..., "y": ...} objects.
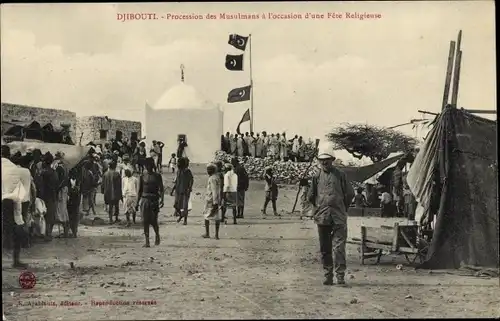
[
  {"x": 390, "y": 204},
  {"x": 261, "y": 145}
]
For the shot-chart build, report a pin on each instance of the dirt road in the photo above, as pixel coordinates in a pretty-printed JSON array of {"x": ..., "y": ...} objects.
[{"x": 258, "y": 269}]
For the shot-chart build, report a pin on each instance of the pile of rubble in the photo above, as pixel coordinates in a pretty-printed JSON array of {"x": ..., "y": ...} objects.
[{"x": 286, "y": 172}]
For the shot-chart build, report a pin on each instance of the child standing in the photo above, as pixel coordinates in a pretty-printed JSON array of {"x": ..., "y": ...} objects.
[
  {"x": 213, "y": 200},
  {"x": 130, "y": 190},
  {"x": 386, "y": 204},
  {"x": 271, "y": 191},
  {"x": 360, "y": 199},
  {"x": 172, "y": 163}
]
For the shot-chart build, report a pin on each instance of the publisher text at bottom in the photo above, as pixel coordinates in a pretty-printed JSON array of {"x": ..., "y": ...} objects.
[{"x": 102, "y": 303}]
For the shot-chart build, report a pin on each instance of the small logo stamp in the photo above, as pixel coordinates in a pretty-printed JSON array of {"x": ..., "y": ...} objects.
[{"x": 27, "y": 280}]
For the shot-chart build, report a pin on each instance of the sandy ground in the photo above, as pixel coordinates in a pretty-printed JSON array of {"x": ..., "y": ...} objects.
[{"x": 258, "y": 269}]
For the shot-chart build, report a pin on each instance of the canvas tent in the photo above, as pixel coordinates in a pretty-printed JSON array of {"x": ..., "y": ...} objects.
[
  {"x": 454, "y": 178},
  {"x": 73, "y": 154},
  {"x": 361, "y": 174},
  {"x": 182, "y": 111}
]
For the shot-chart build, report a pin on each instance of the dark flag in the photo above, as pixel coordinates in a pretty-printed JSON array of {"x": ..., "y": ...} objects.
[
  {"x": 239, "y": 94},
  {"x": 245, "y": 118},
  {"x": 238, "y": 42},
  {"x": 234, "y": 62}
]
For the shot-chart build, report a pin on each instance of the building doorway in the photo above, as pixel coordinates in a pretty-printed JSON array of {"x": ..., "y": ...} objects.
[
  {"x": 181, "y": 145},
  {"x": 118, "y": 135}
]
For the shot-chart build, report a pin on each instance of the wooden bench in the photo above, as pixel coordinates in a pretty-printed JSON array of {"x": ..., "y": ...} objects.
[
  {"x": 395, "y": 240},
  {"x": 356, "y": 212},
  {"x": 363, "y": 212}
]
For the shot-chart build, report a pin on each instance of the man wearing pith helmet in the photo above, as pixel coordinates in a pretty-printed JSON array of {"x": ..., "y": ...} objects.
[{"x": 331, "y": 193}]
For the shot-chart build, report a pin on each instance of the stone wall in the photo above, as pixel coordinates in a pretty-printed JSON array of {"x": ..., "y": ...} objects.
[
  {"x": 15, "y": 112},
  {"x": 89, "y": 128}
]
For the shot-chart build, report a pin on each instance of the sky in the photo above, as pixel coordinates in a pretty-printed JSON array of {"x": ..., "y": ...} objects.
[{"x": 308, "y": 75}]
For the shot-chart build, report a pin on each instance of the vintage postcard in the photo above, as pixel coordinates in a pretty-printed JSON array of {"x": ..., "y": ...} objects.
[{"x": 242, "y": 160}]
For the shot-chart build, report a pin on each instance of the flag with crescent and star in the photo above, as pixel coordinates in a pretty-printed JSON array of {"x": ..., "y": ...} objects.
[
  {"x": 238, "y": 42},
  {"x": 239, "y": 94},
  {"x": 234, "y": 62},
  {"x": 245, "y": 118}
]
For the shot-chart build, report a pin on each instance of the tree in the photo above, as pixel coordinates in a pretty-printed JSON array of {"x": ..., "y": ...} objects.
[{"x": 373, "y": 142}]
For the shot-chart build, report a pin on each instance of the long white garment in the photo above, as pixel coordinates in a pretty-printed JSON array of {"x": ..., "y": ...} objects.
[
  {"x": 230, "y": 181},
  {"x": 212, "y": 196},
  {"x": 39, "y": 217},
  {"x": 295, "y": 146},
  {"x": 16, "y": 183},
  {"x": 16, "y": 196},
  {"x": 130, "y": 189},
  {"x": 62, "y": 214},
  {"x": 11, "y": 175},
  {"x": 283, "y": 148},
  {"x": 130, "y": 186}
]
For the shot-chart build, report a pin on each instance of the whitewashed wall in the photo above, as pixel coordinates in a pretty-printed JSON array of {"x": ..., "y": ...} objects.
[{"x": 203, "y": 129}]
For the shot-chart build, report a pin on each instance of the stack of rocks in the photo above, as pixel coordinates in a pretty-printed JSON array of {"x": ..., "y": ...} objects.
[{"x": 285, "y": 172}]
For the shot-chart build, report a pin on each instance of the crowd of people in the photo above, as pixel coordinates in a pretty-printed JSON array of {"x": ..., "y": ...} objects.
[
  {"x": 392, "y": 195},
  {"x": 276, "y": 146},
  {"x": 48, "y": 198},
  {"x": 227, "y": 185},
  {"x": 135, "y": 150},
  {"x": 59, "y": 195},
  {"x": 130, "y": 177}
]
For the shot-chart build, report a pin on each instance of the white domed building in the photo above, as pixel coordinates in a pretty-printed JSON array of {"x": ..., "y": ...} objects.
[{"x": 182, "y": 112}]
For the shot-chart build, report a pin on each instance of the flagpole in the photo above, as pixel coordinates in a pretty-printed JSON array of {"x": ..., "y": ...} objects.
[{"x": 251, "y": 82}]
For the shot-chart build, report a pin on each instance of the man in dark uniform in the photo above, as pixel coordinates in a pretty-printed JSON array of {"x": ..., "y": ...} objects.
[
  {"x": 47, "y": 184},
  {"x": 242, "y": 185},
  {"x": 150, "y": 199},
  {"x": 180, "y": 148},
  {"x": 36, "y": 163},
  {"x": 112, "y": 190},
  {"x": 182, "y": 188},
  {"x": 74, "y": 198},
  {"x": 331, "y": 194}
]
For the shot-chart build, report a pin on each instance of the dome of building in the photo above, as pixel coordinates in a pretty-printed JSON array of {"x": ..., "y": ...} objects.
[{"x": 182, "y": 96}]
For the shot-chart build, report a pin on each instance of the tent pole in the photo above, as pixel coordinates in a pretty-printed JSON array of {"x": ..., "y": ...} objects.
[
  {"x": 480, "y": 111},
  {"x": 428, "y": 112},
  {"x": 456, "y": 80},
  {"x": 449, "y": 71},
  {"x": 456, "y": 74}
]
